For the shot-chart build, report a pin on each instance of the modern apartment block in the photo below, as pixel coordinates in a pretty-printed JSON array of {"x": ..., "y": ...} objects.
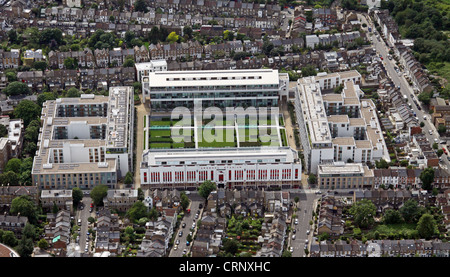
[
  {"x": 85, "y": 141},
  {"x": 337, "y": 127},
  {"x": 215, "y": 88},
  {"x": 239, "y": 160},
  {"x": 341, "y": 175}
]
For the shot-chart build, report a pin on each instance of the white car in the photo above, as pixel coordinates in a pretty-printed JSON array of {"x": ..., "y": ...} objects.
[
  {"x": 293, "y": 236},
  {"x": 430, "y": 132},
  {"x": 307, "y": 232}
]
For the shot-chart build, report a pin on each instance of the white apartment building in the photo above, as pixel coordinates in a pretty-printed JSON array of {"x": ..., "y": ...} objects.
[
  {"x": 215, "y": 88},
  {"x": 86, "y": 141},
  {"x": 227, "y": 167},
  {"x": 337, "y": 127},
  {"x": 144, "y": 69}
]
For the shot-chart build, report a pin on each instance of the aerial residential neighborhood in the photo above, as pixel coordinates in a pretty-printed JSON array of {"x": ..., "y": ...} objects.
[{"x": 224, "y": 128}]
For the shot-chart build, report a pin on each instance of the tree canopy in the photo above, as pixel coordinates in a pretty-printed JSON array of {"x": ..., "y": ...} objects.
[
  {"x": 17, "y": 88},
  {"x": 363, "y": 213},
  {"x": 205, "y": 188},
  {"x": 27, "y": 110},
  {"x": 98, "y": 193}
]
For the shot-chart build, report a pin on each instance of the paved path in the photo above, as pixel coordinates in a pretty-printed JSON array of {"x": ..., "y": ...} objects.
[{"x": 141, "y": 111}]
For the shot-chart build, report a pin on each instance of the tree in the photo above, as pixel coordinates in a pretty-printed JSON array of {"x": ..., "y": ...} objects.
[
  {"x": 312, "y": 179},
  {"x": 381, "y": 163},
  {"x": 26, "y": 207},
  {"x": 40, "y": 65},
  {"x": 25, "y": 247},
  {"x": 128, "y": 180},
  {"x": 392, "y": 217},
  {"x": 70, "y": 63},
  {"x": 184, "y": 201},
  {"x": 153, "y": 214},
  {"x": 137, "y": 211},
  {"x": 3, "y": 131},
  {"x": 129, "y": 62},
  {"x": 27, "y": 110},
  {"x": 228, "y": 35},
  {"x": 267, "y": 47},
  {"x": 172, "y": 37},
  {"x": 9, "y": 238},
  {"x": 442, "y": 129},
  {"x": 427, "y": 226},
  {"x": 11, "y": 76},
  {"x": 205, "y": 188},
  {"x": 73, "y": 93},
  {"x": 140, "y": 6},
  {"x": 187, "y": 30},
  {"x": 13, "y": 165},
  {"x": 42, "y": 97},
  {"x": 77, "y": 196},
  {"x": 427, "y": 177},
  {"x": 98, "y": 193},
  {"x": 411, "y": 211},
  {"x": 12, "y": 36},
  {"x": 43, "y": 244},
  {"x": 363, "y": 213},
  {"x": 308, "y": 70},
  {"x": 49, "y": 35},
  {"x": 10, "y": 177},
  {"x": 231, "y": 246},
  {"x": 17, "y": 88},
  {"x": 424, "y": 97}
]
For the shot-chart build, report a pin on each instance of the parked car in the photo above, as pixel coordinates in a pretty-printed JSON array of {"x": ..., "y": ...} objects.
[{"x": 293, "y": 236}]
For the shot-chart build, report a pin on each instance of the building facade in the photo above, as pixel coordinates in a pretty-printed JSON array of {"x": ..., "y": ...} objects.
[
  {"x": 337, "y": 127},
  {"x": 214, "y": 88},
  {"x": 85, "y": 141}
]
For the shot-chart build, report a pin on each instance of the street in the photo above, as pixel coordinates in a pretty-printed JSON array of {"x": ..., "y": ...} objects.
[
  {"x": 188, "y": 219},
  {"x": 399, "y": 80},
  {"x": 83, "y": 215},
  {"x": 305, "y": 207}
]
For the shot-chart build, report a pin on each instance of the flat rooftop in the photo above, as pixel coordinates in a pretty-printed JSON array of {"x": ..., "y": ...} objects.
[
  {"x": 344, "y": 169},
  {"x": 237, "y": 155},
  {"x": 117, "y": 127},
  {"x": 214, "y": 78}
]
